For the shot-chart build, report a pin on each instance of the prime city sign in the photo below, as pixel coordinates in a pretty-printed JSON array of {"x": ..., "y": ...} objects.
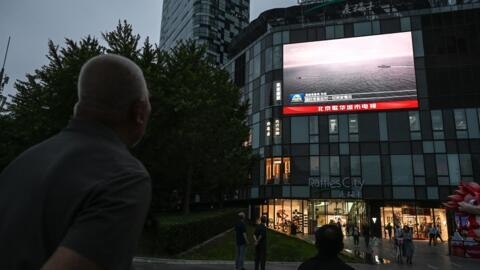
[{"x": 344, "y": 187}]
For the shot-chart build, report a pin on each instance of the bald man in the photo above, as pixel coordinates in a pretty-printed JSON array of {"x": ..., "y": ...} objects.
[
  {"x": 329, "y": 243},
  {"x": 78, "y": 200}
]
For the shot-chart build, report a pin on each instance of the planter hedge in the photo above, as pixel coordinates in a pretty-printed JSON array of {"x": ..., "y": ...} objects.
[{"x": 170, "y": 236}]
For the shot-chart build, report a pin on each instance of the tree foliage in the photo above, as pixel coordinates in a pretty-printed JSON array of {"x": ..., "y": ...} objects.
[{"x": 194, "y": 140}]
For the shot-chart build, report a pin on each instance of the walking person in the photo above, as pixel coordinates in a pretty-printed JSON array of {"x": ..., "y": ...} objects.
[
  {"x": 241, "y": 241},
  {"x": 79, "y": 199},
  {"x": 329, "y": 243},
  {"x": 432, "y": 235},
  {"x": 389, "y": 229},
  {"x": 260, "y": 237},
  {"x": 366, "y": 235},
  {"x": 408, "y": 248},
  {"x": 398, "y": 243},
  {"x": 356, "y": 236}
]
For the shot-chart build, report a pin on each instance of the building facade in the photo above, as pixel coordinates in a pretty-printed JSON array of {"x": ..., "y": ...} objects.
[
  {"x": 210, "y": 22},
  {"x": 362, "y": 113}
]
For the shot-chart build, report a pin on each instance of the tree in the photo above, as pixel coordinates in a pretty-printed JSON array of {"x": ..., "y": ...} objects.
[
  {"x": 204, "y": 124},
  {"x": 44, "y": 101},
  {"x": 197, "y": 126}
]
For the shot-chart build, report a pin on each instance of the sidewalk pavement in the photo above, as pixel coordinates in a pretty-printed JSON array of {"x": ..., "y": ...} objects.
[{"x": 425, "y": 257}]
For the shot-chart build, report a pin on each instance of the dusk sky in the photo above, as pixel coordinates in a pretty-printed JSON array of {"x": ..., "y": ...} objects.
[{"x": 31, "y": 23}]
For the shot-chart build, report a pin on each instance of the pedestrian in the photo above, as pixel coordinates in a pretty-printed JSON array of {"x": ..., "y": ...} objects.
[
  {"x": 398, "y": 243},
  {"x": 329, "y": 243},
  {"x": 389, "y": 229},
  {"x": 408, "y": 248},
  {"x": 439, "y": 233},
  {"x": 432, "y": 235},
  {"x": 79, "y": 199},
  {"x": 366, "y": 235},
  {"x": 241, "y": 241},
  {"x": 260, "y": 237},
  {"x": 356, "y": 236}
]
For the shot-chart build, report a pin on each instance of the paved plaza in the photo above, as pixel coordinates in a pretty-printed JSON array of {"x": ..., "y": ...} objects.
[{"x": 426, "y": 257}]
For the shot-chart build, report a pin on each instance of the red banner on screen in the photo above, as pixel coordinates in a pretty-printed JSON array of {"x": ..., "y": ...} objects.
[{"x": 356, "y": 107}]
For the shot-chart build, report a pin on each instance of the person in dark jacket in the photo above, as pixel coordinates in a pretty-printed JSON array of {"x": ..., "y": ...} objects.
[
  {"x": 329, "y": 242},
  {"x": 260, "y": 237},
  {"x": 79, "y": 199}
]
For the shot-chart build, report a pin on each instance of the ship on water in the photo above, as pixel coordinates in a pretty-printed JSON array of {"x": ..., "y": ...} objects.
[{"x": 384, "y": 66}]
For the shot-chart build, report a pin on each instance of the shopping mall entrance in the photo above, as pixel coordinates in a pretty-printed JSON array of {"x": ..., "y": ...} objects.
[
  {"x": 417, "y": 218},
  {"x": 304, "y": 216}
]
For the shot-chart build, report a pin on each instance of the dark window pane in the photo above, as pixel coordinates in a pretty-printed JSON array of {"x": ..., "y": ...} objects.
[
  {"x": 398, "y": 126},
  {"x": 401, "y": 170}
]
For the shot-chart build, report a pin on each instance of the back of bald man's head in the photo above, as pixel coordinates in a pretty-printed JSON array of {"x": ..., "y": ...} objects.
[{"x": 110, "y": 84}]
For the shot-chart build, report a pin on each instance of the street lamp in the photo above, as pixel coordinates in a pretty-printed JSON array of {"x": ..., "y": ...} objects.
[{"x": 3, "y": 79}]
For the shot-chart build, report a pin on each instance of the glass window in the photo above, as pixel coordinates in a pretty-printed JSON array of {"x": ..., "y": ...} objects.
[
  {"x": 460, "y": 119},
  {"x": 343, "y": 128},
  {"x": 418, "y": 167},
  {"x": 414, "y": 119},
  {"x": 314, "y": 149},
  {"x": 324, "y": 167},
  {"x": 277, "y": 57},
  {"x": 417, "y": 38},
  {"x": 287, "y": 172},
  {"x": 442, "y": 164},
  {"x": 428, "y": 147},
  {"x": 432, "y": 193},
  {"x": 277, "y": 38},
  {"x": 382, "y": 118},
  {"x": 454, "y": 169},
  {"x": 334, "y": 165},
  {"x": 330, "y": 32},
  {"x": 268, "y": 170},
  {"x": 313, "y": 124},
  {"x": 437, "y": 120},
  {"x": 472, "y": 122},
  {"x": 465, "y": 164},
  {"x": 439, "y": 146},
  {"x": 371, "y": 173},
  {"x": 332, "y": 124},
  {"x": 353, "y": 123},
  {"x": 299, "y": 130},
  {"x": 362, "y": 29},
  {"x": 403, "y": 193},
  {"x": 268, "y": 59},
  {"x": 255, "y": 135},
  {"x": 401, "y": 170},
  {"x": 339, "y": 31},
  {"x": 286, "y": 37},
  {"x": 315, "y": 165},
  {"x": 355, "y": 165},
  {"x": 405, "y": 24},
  {"x": 344, "y": 149}
]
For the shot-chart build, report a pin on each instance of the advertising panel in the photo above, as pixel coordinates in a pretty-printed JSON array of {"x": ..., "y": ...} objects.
[{"x": 351, "y": 74}]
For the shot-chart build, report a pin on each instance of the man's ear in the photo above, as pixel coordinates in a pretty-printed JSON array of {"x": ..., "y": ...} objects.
[{"x": 139, "y": 112}]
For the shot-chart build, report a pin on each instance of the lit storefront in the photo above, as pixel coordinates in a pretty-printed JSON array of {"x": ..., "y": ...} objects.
[
  {"x": 419, "y": 219},
  {"x": 306, "y": 215}
]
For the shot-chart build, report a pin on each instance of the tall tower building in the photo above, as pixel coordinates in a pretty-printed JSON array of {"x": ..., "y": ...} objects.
[{"x": 211, "y": 22}]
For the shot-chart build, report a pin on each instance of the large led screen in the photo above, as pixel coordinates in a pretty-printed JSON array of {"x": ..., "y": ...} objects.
[{"x": 350, "y": 74}]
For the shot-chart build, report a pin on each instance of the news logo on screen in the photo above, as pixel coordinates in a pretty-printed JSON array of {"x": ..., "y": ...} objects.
[{"x": 297, "y": 98}]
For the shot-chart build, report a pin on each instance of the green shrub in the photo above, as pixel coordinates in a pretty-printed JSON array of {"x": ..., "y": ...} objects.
[{"x": 167, "y": 236}]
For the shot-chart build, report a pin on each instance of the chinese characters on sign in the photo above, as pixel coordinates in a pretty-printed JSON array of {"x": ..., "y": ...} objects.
[
  {"x": 347, "y": 187},
  {"x": 347, "y": 107},
  {"x": 277, "y": 127}
]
